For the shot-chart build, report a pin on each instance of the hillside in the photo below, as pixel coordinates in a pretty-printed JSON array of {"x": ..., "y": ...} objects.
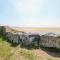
[{"x": 9, "y": 52}]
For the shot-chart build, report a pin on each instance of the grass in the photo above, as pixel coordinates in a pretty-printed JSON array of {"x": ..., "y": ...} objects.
[
  {"x": 34, "y": 54},
  {"x": 4, "y": 49},
  {"x": 27, "y": 54}
]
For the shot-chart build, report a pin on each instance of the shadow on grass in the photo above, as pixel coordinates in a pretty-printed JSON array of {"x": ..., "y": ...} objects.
[
  {"x": 55, "y": 52},
  {"x": 2, "y": 38},
  {"x": 14, "y": 44},
  {"x": 29, "y": 47}
]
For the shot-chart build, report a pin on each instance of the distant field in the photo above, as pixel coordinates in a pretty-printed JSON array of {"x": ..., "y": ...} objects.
[{"x": 38, "y": 30}]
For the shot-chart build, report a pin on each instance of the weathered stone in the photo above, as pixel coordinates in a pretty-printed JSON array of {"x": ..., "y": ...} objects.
[
  {"x": 14, "y": 37},
  {"x": 24, "y": 39},
  {"x": 32, "y": 39},
  {"x": 9, "y": 36},
  {"x": 50, "y": 40}
]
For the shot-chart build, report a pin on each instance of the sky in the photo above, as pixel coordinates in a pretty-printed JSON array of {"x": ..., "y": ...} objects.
[{"x": 30, "y": 13}]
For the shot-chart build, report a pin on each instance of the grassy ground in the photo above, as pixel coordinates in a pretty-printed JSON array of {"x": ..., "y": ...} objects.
[{"x": 7, "y": 52}]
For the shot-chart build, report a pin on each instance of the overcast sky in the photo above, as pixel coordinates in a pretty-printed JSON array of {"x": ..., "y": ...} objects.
[{"x": 30, "y": 13}]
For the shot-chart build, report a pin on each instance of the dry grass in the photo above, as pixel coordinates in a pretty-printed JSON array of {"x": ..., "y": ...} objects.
[{"x": 7, "y": 52}]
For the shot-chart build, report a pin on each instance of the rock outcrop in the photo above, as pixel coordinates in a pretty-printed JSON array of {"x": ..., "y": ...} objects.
[
  {"x": 50, "y": 40},
  {"x": 25, "y": 39},
  {"x": 31, "y": 39}
]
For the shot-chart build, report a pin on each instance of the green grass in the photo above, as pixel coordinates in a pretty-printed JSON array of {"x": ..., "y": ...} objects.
[{"x": 4, "y": 49}]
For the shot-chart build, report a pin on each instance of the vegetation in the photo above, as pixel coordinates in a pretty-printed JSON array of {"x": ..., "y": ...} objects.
[{"x": 4, "y": 49}]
